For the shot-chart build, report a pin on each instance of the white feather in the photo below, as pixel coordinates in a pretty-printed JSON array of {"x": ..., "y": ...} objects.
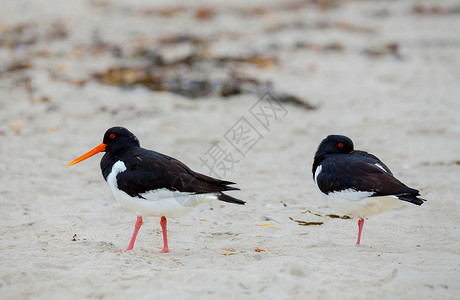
[
  {"x": 359, "y": 204},
  {"x": 317, "y": 172},
  {"x": 380, "y": 166}
]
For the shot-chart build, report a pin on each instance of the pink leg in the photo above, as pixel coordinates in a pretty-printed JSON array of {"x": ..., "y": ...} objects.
[
  {"x": 165, "y": 235},
  {"x": 136, "y": 230},
  {"x": 360, "y": 226}
]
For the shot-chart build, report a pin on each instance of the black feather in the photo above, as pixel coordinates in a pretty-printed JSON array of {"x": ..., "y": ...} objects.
[
  {"x": 230, "y": 199},
  {"x": 148, "y": 170}
]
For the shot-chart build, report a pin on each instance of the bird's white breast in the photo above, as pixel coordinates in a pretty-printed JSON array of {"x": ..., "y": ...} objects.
[{"x": 156, "y": 203}]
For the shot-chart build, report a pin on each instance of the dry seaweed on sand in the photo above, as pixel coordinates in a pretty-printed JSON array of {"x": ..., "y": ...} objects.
[
  {"x": 15, "y": 66},
  {"x": 390, "y": 49},
  {"x": 305, "y": 223},
  {"x": 332, "y": 216},
  {"x": 435, "y": 9},
  {"x": 27, "y": 34},
  {"x": 188, "y": 75}
]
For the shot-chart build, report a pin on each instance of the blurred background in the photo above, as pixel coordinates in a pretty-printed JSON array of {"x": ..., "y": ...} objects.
[
  {"x": 66, "y": 58},
  {"x": 183, "y": 76}
]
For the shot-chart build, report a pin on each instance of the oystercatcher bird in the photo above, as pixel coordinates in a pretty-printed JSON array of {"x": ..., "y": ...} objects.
[
  {"x": 153, "y": 184},
  {"x": 357, "y": 183}
]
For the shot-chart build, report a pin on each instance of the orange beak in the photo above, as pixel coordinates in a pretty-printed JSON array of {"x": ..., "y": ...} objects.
[{"x": 90, "y": 153}]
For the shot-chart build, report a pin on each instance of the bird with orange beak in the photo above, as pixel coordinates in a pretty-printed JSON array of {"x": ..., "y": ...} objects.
[{"x": 153, "y": 184}]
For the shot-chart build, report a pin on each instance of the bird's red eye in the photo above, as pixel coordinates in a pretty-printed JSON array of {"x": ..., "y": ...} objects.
[
  {"x": 340, "y": 145},
  {"x": 112, "y": 136}
]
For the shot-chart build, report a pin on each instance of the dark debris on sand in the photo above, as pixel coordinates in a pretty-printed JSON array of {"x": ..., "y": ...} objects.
[{"x": 192, "y": 76}]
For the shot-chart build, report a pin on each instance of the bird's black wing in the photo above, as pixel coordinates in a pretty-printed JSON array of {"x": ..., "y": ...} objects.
[
  {"x": 341, "y": 172},
  {"x": 370, "y": 158},
  {"x": 149, "y": 170}
]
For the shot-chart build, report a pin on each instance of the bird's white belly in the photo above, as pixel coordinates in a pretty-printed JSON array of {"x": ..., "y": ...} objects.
[
  {"x": 156, "y": 203},
  {"x": 359, "y": 204}
]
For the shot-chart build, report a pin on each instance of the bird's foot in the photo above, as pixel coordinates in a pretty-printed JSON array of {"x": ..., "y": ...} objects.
[{"x": 165, "y": 250}]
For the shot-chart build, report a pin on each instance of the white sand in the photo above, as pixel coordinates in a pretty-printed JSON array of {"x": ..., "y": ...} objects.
[{"x": 404, "y": 111}]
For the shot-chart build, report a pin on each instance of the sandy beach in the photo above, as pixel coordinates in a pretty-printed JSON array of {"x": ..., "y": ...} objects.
[{"x": 384, "y": 73}]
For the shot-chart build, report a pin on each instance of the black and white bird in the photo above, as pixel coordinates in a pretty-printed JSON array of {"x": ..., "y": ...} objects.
[
  {"x": 153, "y": 184},
  {"x": 357, "y": 183}
]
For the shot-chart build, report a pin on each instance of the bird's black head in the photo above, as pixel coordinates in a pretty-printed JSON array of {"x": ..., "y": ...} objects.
[
  {"x": 118, "y": 138},
  {"x": 335, "y": 144}
]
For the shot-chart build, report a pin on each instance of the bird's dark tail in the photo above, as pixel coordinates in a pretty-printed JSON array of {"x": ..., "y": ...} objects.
[
  {"x": 230, "y": 199},
  {"x": 411, "y": 198}
]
